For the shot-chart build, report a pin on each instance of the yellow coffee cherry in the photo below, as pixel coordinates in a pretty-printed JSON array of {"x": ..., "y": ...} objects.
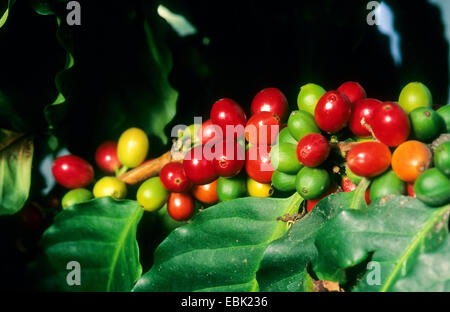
[
  {"x": 256, "y": 189},
  {"x": 110, "y": 186},
  {"x": 132, "y": 147}
]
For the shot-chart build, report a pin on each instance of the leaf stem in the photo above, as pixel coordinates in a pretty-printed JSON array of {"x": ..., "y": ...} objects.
[
  {"x": 358, "y": 199},
  {"x": 294, "y": 203}
]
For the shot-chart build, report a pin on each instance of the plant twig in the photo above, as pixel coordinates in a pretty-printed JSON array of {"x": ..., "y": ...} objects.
[{"x": 150, "y": 168}]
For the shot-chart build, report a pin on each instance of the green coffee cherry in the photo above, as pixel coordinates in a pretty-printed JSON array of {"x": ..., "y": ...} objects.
[
  {"x": 311, "y": 183},
  {"x": 301, "y": 123},
  {"x": 308, "y": 97},
  {"x": 426, "y": 124},
  {"x": 442, "y": 158},
  {"x": 283, "y": 182},
  {"x": 387, "y": 184},
  {"x": 433, "y": 188},
  {"x": 76, "y": 196},
  {"x": 283, "y": 157},
  {"x": 231, "y": 188}
]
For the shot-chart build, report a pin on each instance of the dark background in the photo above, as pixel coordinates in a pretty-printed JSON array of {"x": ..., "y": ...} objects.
[{"x": 253, "y": 45}]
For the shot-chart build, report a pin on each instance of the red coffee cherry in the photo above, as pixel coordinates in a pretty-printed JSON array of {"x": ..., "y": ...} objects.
[
  {"x": 353, "y": 90},
  {"x": 390, "y": 124},
  {"x": 197, "y": 167},
  {"x": 262, "y": 128},
  {"x": 226, "y": 112},
  {"x": 369, "y": 159},
  {"x": 257, "y": 164},
  {"x": 230, "y": 159},
  {"x": 173, "y": 177},
  {"x": 363, "y": 109},
  {"x": 181, "y": 206},
  {"x": 208, "y": 133},
  {"x": 332, "y": 111},
  {"x": 347, "y": 185},
  {"x": 72, "y": 171},
  {"x": 312, "y": 150},
  {"x": 270, "y": 100},
  {"x": 106, "y": 157}
]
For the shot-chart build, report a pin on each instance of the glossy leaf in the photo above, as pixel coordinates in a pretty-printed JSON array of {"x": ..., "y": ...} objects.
[
  {"x": 4, "y": 11},
  {"x": 431, "y": 272},
  {"x": 395, "y": 233},
  {"x": 221, "y": 249},
  {"x": 129, "y": 82},
  {"x": 16, "y": 154},
  {"x": 283, "y": 267},
  {"x": 100, "y": 235}
]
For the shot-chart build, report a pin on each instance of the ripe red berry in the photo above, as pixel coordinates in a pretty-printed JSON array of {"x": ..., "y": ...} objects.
[
  {"x": 257, "y": 164},
  {"x": 410, "y": 189},
  {"x": 367, "y": 197},
  {"x": 353, "y": 90},
  {"x": 230, "y": 158},
  {"x": 312, "y": 150},
  {"x": 181, "y": 206},
  {"x": 106, "y": 156},
  {"x": 72, "y": 171},
  {"x": 347, "y": 185},
  {"x": 270, "y": 100},
  {"x": 226, "y": 112},
  {"x": 208, "y": 133},
  {"x": 262, "y": 128},
  {"x": 390, "y": 124},
  {"x": 363, "y": 109},
  {"x": 369, "y": 159},
  {"x": 332, "y": 111},
  {"x": 198, "y": 168},
  {"x": 173, "y": 177}
]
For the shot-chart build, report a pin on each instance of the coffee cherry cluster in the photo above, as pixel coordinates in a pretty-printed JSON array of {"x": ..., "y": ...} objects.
[
  {"x": 384, "y": 142},
  {"x": 210, "y": 170},
  {"x": 334, "y": 140},
  {"x": 75, "y": 173}
]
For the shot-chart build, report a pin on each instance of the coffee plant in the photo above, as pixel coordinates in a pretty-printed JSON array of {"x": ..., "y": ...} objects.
[{"x": 102, "y": 167}]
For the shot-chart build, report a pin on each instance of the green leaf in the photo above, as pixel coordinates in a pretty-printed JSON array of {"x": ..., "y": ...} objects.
[
  {"x": 101, "y": 236},
  {"x": 359, "y": 199},
  {"x": 114, "y": 78},
  {"x": 221, "y": 249},
  {"x": 431, "y": 272},
  {"x": 4, "y": 11},
  {"x": 393, "y": 232},
  {"x": 16, "y": 155},
  {"x": 58, "y": 109},
  {"x": 283, "y": 267}
]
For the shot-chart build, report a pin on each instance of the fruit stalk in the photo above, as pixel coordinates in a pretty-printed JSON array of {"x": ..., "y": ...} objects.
[{"x": 150, "y": 168}]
